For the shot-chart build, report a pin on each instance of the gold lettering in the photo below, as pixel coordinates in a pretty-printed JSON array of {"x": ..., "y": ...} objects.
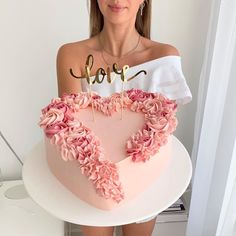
[
  {"x": 89, "y": 65},
  {"x": 132, "y": 77},
  {"x": 103, "y": 73}
]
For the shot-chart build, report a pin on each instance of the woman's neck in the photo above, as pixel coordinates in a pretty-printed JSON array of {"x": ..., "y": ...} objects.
[{"x": 118, "y": 40}]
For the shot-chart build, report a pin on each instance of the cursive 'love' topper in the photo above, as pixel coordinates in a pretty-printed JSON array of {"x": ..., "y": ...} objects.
[{"x": 101, "y": 71}]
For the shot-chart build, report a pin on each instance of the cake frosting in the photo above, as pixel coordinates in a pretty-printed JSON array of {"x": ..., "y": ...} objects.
[{"x": 108, "y": 150}]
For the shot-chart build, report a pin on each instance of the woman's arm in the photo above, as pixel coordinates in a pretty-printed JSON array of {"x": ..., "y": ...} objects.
[{"x": 67, "y": 57}]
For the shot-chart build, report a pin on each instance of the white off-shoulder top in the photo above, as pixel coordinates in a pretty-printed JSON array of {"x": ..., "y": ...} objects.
[{"x": 164, "y": 75}]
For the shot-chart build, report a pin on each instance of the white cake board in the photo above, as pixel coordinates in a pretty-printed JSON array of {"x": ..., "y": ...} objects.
[{"x": 51, "y": 195}]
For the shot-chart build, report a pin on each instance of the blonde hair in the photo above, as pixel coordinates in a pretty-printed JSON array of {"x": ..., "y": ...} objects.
[{"x": 142, "y": 23}]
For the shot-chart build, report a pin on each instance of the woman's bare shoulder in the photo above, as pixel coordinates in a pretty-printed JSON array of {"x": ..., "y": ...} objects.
[
  {"x": 75, "y": 53},
  {"x": 163, "y": 49},
  {"x": 73, "y": 48},
  {"x": 67, "y": 58},
  {"x": 158, "y": 49},
  {"x": 71, "y": 56}
]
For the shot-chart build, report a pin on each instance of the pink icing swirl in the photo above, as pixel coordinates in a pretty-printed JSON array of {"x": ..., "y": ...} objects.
[
  {"x": 139, "y": 95},
  {"x": 52, "y": 121}
]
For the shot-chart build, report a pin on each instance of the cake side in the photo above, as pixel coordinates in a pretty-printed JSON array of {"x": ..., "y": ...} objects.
[{"x": 135, "y": 177}]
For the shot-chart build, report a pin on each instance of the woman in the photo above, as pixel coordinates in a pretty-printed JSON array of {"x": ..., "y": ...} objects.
[
  {"x": 122, "y": 38},
  {"x": 119, "y": 33}
]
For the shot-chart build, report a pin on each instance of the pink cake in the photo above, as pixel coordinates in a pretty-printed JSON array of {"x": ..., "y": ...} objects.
[{"x": 108, "y": 150}]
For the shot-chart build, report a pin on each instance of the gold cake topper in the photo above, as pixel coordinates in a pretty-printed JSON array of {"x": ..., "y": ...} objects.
[{"x": 103, "y": 72}]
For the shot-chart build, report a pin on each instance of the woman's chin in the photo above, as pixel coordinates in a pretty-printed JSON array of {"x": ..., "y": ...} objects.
[{"x": 115, "y": 19}]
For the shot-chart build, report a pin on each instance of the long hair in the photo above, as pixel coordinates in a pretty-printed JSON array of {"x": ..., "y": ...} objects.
[{"x": 142, "y": 23}]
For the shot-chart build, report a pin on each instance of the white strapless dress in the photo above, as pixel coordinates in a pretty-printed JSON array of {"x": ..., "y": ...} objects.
[{"x": 164, "y": 75}]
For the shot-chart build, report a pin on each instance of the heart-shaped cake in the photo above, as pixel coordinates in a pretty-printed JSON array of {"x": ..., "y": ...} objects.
[{"x": 107, "y": 150}]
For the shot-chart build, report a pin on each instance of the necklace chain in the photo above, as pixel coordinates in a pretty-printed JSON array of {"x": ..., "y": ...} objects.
[{"x": 132, "y": 50}]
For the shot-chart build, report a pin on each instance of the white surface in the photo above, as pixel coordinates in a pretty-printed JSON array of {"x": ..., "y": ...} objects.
[
  {"x": 24, "y": 217},
  {"x": 49, "y": 193}
]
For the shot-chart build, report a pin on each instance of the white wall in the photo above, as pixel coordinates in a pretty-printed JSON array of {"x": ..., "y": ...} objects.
[
  {"x": 184, "y": 24},
  {"x": 32, "y": 31}
]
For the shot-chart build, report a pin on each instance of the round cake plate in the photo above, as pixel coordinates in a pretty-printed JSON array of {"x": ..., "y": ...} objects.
[{"x": 50, "y": 194}]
